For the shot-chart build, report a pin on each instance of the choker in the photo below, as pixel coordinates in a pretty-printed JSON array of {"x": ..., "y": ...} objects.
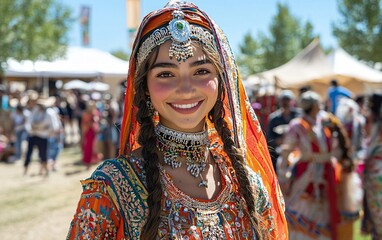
[{"x": 191, "y": 146}]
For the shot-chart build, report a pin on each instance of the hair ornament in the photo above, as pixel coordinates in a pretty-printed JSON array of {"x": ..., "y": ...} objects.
[{"x": 181, "y": 33}]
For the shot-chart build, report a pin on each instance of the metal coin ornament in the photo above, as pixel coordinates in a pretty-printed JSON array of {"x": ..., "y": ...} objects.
[{"x": 180, "y": 31}]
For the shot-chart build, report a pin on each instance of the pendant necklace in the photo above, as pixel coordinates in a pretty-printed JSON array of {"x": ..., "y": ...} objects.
[{"x": 191, "y": 146}]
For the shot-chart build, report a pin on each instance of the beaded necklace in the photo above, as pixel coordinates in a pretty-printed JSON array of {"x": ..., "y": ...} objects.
[{"x": 191, "y": 146}]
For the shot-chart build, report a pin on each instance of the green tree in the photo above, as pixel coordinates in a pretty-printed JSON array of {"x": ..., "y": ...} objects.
[
  {"x": 120, "y": 54},
  {"x": 33, "y": 30},
  {"x": 286, "y": 39},
  {"x": 250, "y": 57},
  {"x": 359, "y": 30}
]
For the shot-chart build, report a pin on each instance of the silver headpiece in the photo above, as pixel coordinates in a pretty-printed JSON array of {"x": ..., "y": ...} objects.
[{"x": 181, "y": 33}]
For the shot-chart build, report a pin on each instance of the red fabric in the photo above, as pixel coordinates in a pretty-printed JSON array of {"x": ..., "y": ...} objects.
[{"x": 329, "y": 177}]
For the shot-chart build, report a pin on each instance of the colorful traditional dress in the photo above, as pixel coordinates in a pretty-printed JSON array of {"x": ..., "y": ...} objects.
[
  {"x": 113, "y": 205},
  {"x": 89, "y": 132},
  {"x": 114, "y": 202},
  {"x": 372, "y": 221},
  {"x": 311, "y": 203}
]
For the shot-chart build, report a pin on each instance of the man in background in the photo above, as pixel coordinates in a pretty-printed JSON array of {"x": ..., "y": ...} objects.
[
  {"x": 278, "y": 123},
  {"x": 335, "y": 93}
]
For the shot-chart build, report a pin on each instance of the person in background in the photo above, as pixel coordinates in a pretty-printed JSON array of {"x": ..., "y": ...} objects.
[
  {"x": 349, "y": 113},
  {"x": 303, "y": 89},
  {"x": 193, "y": 163},
  {"x": 278, "y": 123},
  {"x": 39, "y": 126},
  {"x": 335, "y": 92},
  {"x": 90, "y": 128},
  {"x": 372, "y": 174},
  {"x": 308, "y": 179},
  {"x": 56, "y": 139},
  {"x": 6, "y": 150},
  {"x": 19, "y": 120}
]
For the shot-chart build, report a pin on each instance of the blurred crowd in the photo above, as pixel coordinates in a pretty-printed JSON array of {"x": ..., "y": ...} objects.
[
  {"x": 30, "y": 121},
  {"x": 327, "y": 153}
]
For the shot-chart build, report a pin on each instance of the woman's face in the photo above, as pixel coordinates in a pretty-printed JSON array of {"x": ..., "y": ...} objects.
[{"x": 182, "y": 92}]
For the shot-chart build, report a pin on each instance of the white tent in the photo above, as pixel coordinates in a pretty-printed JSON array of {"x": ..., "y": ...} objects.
[
  {"x": 353, "y": 74},
  {"x": 344, "y": 64},
  {"x": 312, "y": 67},
  {"x": 78, "y": 63},
  {"x": 308, "y": 65}
]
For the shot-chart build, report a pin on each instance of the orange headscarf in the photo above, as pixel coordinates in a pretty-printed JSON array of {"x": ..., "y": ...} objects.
[{"x": 244, "y": 124}]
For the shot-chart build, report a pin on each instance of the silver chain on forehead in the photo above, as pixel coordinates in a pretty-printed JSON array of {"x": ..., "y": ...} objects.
[{"x": 181, "y": 33}]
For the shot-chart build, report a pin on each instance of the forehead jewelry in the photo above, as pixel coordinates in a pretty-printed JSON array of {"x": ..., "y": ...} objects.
[
  {"x": 181, "y": 33},
  {"x": 191, "y": 146}
]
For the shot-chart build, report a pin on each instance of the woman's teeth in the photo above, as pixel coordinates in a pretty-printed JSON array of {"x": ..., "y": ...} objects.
[{"x": 185, "y": 106}]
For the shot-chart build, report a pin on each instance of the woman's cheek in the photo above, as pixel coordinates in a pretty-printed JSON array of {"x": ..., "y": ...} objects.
[
  {"x": 212, "y": 85},
  {"x": 160, "y": 90}
]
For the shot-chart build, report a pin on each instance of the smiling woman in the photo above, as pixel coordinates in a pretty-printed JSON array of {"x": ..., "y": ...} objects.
[
  {"x": 182, "y": 92},
  {"x": 193, "y": 160}
]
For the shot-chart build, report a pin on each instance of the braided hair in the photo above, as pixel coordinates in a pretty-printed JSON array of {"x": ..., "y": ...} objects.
[{"x": 147, "y": 139}]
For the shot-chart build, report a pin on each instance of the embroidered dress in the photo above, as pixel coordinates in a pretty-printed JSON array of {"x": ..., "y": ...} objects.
[
  {"x": 310, "y": 211},
  {"x": 372, "y": 181},
  {"x": 113, "y": 205}
]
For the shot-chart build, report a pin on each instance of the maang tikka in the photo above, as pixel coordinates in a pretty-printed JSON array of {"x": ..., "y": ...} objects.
[{"x": 181, "y": 33}]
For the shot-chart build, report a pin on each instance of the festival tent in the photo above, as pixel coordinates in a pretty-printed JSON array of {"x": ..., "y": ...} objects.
[
  {"x": 353, "y": 74},
  {"x": 309, "y": 65},
  {"x": 312, "y": 67},
  {"x": 78, "y": 62}
]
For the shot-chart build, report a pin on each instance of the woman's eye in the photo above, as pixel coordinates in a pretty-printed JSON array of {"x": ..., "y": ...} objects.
[
  {"x": 202, "y": 72},
  {"x": 164, "y": 75}
]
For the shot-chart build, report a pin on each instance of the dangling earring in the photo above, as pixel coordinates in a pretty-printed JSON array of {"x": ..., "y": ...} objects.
[{"x": 150, "y": 106}]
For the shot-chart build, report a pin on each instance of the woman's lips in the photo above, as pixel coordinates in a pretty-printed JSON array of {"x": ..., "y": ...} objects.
[{"x": 186, "y": 108}]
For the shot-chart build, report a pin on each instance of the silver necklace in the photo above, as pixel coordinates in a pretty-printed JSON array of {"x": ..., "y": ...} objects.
[{"x": 191, "y": 146}]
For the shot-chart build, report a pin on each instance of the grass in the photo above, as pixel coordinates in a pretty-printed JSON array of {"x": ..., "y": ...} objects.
[
  {"x": 358, "y": 235},
  {"x": 37, "y": 207}
]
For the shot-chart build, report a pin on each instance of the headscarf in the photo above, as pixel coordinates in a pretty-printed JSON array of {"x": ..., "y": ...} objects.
[
  {"x": 308, "y": 99},
  {"x": 242, "y": 120}
]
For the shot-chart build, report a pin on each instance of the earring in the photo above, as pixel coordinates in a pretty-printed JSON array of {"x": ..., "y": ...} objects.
[{"x": 150, "y": 106}]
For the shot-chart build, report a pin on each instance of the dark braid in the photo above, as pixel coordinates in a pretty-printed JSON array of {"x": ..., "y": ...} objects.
[
  {"x": 216, "y": 115},
  {"x": 147, "y": 139}
]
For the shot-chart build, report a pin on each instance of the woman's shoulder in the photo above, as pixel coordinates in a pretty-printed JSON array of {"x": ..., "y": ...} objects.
[{"x": 127, "y": 169}]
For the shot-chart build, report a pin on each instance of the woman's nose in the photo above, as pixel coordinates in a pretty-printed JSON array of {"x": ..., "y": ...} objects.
[{"x": 185, "y": 85}]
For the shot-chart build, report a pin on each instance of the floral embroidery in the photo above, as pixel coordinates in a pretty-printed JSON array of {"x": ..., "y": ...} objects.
[{"x": 115, "y": 197}]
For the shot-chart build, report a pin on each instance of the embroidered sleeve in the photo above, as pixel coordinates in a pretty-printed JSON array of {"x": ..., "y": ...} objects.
[{"x": 96, "y": 216}]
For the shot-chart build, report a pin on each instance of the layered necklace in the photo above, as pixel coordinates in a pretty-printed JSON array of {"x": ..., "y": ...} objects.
[{"x": 191, "y": 146}]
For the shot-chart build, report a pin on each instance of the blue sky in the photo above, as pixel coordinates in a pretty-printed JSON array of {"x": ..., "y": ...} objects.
[{"x": 108, "y": 29}]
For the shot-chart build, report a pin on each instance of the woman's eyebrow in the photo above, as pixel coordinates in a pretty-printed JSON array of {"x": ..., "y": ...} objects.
[
  {"x": 173, "y": 65},
  {"x": 164, "y": 65},
  {"x": 200, "y": 62}
]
